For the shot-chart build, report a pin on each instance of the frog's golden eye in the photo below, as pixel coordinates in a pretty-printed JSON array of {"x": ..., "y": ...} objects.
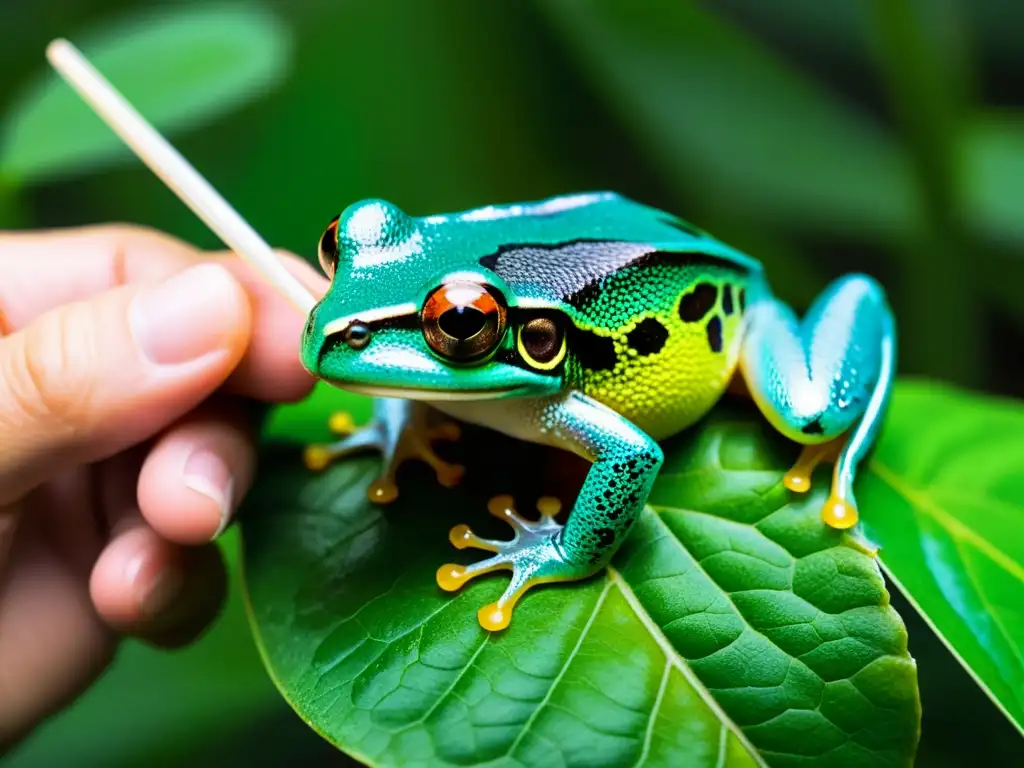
[
  {"x": 542, "y": 343},
  {"x": 328, "y": 249},
  {"x": 463, "y": 321}
]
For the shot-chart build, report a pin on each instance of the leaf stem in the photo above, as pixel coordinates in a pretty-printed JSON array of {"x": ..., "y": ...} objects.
[{"x": 927, "y": 81}]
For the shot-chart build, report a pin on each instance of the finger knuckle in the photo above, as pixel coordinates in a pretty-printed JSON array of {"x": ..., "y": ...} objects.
[
  {"x": 126, "y": 232},
  {"x": 47, "y": 375},
  {"x": 128, "y": 237}
]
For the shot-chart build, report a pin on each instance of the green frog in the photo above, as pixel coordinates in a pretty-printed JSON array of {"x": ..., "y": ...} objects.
[{"x": 594, "y": 324}]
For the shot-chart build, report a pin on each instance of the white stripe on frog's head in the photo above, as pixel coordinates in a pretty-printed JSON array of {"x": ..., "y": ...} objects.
[
  {"x": 369, "y": 317},
  {"x": 568, "y": 202},
  {"x": 543, "y": 208}
]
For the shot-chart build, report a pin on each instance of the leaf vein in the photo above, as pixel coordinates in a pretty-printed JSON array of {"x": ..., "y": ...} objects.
[
  {"x": 956, "y": 528},
  {"x": 449, "y": 690},
  {"x": 649, "y": 731},
  {"x": 561, "y": 673},
  {"x": 678, "y": 662}
]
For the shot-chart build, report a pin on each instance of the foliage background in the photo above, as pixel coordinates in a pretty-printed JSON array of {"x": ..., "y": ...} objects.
[{"x": 878, "y": 135}]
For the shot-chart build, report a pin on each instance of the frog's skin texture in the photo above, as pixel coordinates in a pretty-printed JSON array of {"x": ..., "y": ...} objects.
[{"x": 593, "y": 324}]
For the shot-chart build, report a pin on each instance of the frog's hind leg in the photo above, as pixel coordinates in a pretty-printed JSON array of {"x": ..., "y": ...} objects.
[
  {"x": 823, "y": 381},
  {"x": 400, "y": 430},
  {"x": 624, "y": 462}
]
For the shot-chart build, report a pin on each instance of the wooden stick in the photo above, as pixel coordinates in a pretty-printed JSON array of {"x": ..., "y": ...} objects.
[{"x": 175, "y": 171}]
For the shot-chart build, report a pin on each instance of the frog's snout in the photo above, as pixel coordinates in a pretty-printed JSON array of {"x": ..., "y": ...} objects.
[
  {"x": 318, "y": 338},
  {"x": 311, "y": 345}
]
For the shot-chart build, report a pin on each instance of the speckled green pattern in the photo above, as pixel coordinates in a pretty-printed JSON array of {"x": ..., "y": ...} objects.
[
  {"x": 626, "y": 461},
  {"x": 654, "y": 287},
  {"x": 659, "y": 342}
]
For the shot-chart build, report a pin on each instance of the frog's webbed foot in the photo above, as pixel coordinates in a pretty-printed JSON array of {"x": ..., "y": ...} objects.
[
  {"x": 400, "y": 430},
  {"x": 533, "y": 555}
]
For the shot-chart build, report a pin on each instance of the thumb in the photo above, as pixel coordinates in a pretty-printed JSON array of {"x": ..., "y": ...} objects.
[{"x": 90, "y": 379}]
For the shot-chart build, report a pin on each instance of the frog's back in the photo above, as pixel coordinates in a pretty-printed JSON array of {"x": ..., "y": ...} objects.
[
  {"x": 605, "y": 217},
  {"x": 656, "y": 303}
]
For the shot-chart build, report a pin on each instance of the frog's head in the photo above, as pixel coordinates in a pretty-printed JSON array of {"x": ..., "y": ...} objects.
[{"x": 408, "y": 315}]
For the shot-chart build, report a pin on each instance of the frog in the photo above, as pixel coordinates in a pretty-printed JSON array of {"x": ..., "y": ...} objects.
[{"x": 594, "y": 324}]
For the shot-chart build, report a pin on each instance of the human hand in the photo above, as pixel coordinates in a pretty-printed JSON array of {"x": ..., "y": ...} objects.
[{"x": 128, "y": 364}]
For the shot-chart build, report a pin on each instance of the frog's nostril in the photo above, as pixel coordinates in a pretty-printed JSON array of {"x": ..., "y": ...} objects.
[{"x": 357, "y": 336}]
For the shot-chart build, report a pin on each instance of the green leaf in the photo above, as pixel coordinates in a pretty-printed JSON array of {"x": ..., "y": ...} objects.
[
  {"x": 179, "y": 67},
  {"x": 730, "y": 618},
  {"x": 944, "y": 498},
  {"x": 730, "y": 121}
]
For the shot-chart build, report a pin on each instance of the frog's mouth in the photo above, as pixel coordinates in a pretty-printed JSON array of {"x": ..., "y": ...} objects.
[{"x": 437, "y": 395}]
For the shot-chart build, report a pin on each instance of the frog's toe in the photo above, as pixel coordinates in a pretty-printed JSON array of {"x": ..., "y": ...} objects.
[
  {"x": 399, "y": 431},
  {"x": 383, "y": 490},
  {"x": 839, "y": 512},
  {"x": 798, "y": 478},
  {"x": 316, "y": 457},
  {"x": 448, "y": 475},
  {"x": 319, "y": 456},
  {"x": 416, "y": 442},
  {"x": 446, "y": 430},
  {"x": 341, "y": 423},
  {"x": 532, "y": 555}
]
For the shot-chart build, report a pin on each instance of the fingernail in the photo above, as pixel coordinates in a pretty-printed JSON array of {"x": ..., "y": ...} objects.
[
  {"x": 157, "y": 589},
  {"x": 206, "y": 473},
  {"x": 185, "y": 317}
]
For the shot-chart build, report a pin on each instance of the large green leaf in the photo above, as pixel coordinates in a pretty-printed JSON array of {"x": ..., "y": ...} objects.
[
  {"x": 179, "y": 67},
  {"x": 735, "y": 125},
  {"x": 945, "y": 500},
  {"x": 731, "y": 617}
]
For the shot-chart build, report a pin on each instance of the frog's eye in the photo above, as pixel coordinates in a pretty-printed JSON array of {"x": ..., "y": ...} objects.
[
  {"x": 328, "y": 249},
  {"x": 463, "y": 321},
  {"x": 542, "y": 343}
]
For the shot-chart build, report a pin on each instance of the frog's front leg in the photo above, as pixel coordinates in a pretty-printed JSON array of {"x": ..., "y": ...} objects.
[
  {"x": 625, "y": 463},
  {"x": 401, "y": 431},
  {"x": 823, "y": 381}
]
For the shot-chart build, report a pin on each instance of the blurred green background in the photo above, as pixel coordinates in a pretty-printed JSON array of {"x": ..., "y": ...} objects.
[{"x": 884, "y": 136}]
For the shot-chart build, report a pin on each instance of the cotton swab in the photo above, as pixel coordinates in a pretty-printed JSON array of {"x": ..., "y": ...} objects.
[{"x": 175, "y": 171}]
